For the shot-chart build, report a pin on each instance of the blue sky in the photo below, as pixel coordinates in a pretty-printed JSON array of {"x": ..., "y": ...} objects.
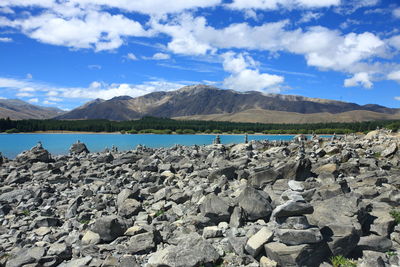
[{"x": 65, "y": 53}]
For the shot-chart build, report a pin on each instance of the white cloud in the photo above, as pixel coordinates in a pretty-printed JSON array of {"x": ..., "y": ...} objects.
[
  {"x": 359, "y": 79},
  {"x": 131, "y": 56},
  {"x": 5, "y": 40},
  {"x": 24, "y": 94},
  {"x": 154, "y": 7},
  {"x": 395, "y": 75},
  {"x": 161, "y": 56},
  {"x": 27, "y": 89},
  {"x": 245, "y": 75},
  {"x": 29, "y": 76},
  {"x": 54, "y": 99},
  {"x": 34, "y": 100},
  {"x": 396, "y": 12},
  {"x": 92, "y": 29},
  {"x": 49, "y": 103},
  {"x": 397, "y": 98},
  {"x": 275, "y": 4},
  {"x": 309, "y": 16}
]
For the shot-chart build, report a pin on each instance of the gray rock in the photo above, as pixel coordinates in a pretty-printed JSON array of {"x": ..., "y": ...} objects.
[
  {"x": 141, "y": 243},
  {"x": 299, "y": 255},
  {"x": 109, "y": 228},
  {"x": 256, "y": 242},
  {"x": 261, "y": 177},
  {"x": 36, "y": 154},
  {"x": 292, "y": 208},
  {"x": 78, "y": 148},
  {"x": 255, "y": 204},
  {"x": 61, "y": 250},
  {"x": 130, "y": 207},
  {"x": 298, "y": 237},
  {"x": 215, "y": 208},
  {"x": 191, "y": 251},
  {"x": 390, "y": 150},
  {"x": 15, "y": 195},
  {"x": 296, "y": 170},
  {"x": 375, "y": 243}
]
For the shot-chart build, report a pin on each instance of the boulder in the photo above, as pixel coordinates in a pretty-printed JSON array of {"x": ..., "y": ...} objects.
[
  {"x": 261, "y": 177},
  {"x": 292, "y": 208},
  {"x": 141, "y": 243},
  {"x": 255, "y": 204},
  {"x": 298, "y": 237},
  {"x": 299, "y": 255},
  {"x": 36, "y": 154},
  {"x": 215, "y": 208},
  {"x": 78, "y": 148},
  {"x": 191, "y": 251},
  {"x": 109, "y": 228},
  {"x": 298, "y": 170},
  {"x": 390, "y": 150}
]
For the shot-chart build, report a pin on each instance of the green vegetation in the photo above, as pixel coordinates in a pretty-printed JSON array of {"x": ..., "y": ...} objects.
[
  {"x": 159, "y": 213},
  {"x": 26, "y": 212},
  {"x": 13, "y": 130},
  {"x": 396, "y": 215},
  {"x": 340, "y": 261},
  {"x": 168, "y": 126},
  {"x": 84, "y": 221}
]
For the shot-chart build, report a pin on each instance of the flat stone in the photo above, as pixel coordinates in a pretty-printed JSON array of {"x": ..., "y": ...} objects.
[
  {"x": 211, "y": 232},
  {"x": 255, "y": 243},
  {"x": 90, "y": 238},
  {"x": 298, "y": 237},
  {"x": 141, "y": 243},
  {"x": 292, "y": 208}
]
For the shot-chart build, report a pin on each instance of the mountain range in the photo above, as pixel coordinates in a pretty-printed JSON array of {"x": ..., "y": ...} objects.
[
  {"x": 202, "y": 102},
  {"x": 16, "y": 109}
]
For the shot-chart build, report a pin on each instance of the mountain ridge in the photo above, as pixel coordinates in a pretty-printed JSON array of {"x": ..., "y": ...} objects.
[
  {"x": 17, "y": 109},
  {"x": 204, "y": 100}
]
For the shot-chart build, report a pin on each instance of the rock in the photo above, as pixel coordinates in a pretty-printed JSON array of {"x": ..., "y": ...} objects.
[
  {"x": 215, "y": 208},
  {"x": 297, "y": 255},
  {"x": 265, "y": 262},
  {"x": 109, "y": 228},
  {"x": 191, "y": 251},
  {"x": 294, "y": 222},
  {"x": 292, "y": 208},
  {"x": 130, "y": 207},
  {"x": 228, "y": 172},
  {"x": 82, "y": 262},
  {"x": 126, "y": 158},
  {"x": 298, "y": 237},
  {"x": 141, "y": 243},
  {"x": 61, "y": 250},
  {"x": 237, "y": 218},
  {"x": 390, "y": 150},
  {"x": 90, "y": 238},
  {"x": 15, "y": 195},
  {"x": 255, "y": 204},
  {"x": 211, "y": 232},
  {"x": 105, "y": 158},
  {"x": 261, "y": 177},
  {"x": 21, "y": 258},
  {"x": 296, "y": 186},
  {"x": 375, "y": 243},
  {"x": 78, "y": 148},
  {"x": 296, "y": 170},
  {"x": 36, "y": 154},
  {"x": 256, "y": 243}
]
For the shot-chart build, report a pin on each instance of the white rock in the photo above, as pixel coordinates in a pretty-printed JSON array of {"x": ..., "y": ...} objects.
[{"x": 255, "y": 243}]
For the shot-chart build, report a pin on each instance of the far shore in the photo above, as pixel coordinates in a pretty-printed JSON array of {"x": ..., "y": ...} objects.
[{"x": 78, "y": 132}]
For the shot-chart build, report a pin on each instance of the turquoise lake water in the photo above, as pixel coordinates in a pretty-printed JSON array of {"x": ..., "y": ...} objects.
[{"x": 58, "y": 144}]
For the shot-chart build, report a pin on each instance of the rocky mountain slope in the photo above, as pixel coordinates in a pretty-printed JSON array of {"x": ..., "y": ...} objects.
[
  {"x": 16, "y": 109},
  {"x": 292, "y": 203},
  {"x": 200, "y": 100}
]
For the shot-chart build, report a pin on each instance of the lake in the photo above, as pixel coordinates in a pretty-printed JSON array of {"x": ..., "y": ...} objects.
[{"x": 58, "y": 144}]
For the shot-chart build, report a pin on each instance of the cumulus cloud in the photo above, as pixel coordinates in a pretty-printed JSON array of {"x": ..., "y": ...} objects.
[
  {"x": 88, "y": 29},
  {"x": 395, "y": 76},
  {"x": 131, "y": 56},
  {"x": 245, "y": 76},
  {"x": 160, "y": 56},
  {"x": 275, "y": 4},
  {"x": 396, "y": 12},
  {"x": 53, "y": 94},
  {"x": 5, "y": 40},
  {"x": 309, "y": 16},
  {"x": 359, "y": 79}
]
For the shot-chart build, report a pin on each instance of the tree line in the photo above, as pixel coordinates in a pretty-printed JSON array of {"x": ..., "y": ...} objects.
[{"x": 168, "y": 126}]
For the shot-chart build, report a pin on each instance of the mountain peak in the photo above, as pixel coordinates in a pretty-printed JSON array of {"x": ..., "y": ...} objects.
[{"x": 197, "y": 88}]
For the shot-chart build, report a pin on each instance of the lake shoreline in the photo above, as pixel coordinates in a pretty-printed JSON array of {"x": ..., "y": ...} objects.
[{"x": 110, "y": 133}]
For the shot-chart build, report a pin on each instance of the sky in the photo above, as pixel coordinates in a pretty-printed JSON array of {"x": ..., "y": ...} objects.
[{"x": 63, "y": 53}]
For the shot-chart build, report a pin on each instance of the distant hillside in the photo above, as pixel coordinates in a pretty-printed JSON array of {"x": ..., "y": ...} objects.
[
  {"x": 271, "y": 116},
  {"x": 204, "y": 102},
  {"x": 16, "y": 109}
]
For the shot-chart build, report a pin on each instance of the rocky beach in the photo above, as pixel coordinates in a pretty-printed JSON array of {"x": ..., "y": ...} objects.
[{"x": 306, "y": 202}]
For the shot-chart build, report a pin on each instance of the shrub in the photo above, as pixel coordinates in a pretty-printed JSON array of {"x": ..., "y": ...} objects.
[
  {"x": 396, "y": 215},
  {"x": 340, "y": 261},
  {"x": 13, "y": 130}
]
